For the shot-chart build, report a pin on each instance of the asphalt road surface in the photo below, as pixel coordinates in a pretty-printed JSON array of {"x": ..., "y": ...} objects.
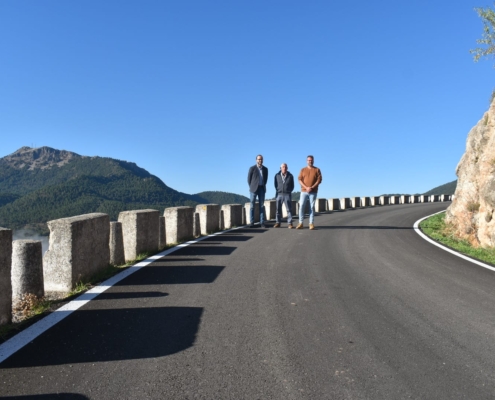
[{"x": 361, "y": 308}]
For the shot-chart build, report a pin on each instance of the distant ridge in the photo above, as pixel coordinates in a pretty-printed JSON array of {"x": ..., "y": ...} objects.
[
  {"x": 447, "y": 188},
  {"x": 41, "y": 184}
]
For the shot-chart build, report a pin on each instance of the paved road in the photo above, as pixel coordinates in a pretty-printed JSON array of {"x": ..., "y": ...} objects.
[{"x": 361, "y": 308}]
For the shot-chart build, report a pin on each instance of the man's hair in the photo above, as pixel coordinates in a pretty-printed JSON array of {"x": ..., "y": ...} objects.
[
  {"x": 259, "y": 155},
  {"x": 310, "y": 156},
  {"x": 283, "y": 164}
]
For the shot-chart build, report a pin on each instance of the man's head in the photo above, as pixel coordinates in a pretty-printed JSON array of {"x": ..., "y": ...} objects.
[
  {"x": 259, "y": 160},
  {"x": 283, "y": 168},
  {"x": 310, "y": 160}
]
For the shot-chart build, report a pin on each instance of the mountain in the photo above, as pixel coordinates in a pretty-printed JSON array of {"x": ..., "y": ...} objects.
[
  {"x": 214, "y": 197},
  {"x": 448, "y": 188},
  {"x": 38, "y": 185}
]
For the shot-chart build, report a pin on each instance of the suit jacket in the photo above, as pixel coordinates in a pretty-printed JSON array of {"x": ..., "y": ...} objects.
[{"x": 254, "y": 178}]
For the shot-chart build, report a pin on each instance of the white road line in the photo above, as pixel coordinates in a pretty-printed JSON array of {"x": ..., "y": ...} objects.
[
  {"x": 29, "y": 334},
  {"x": 418, "y": 231}
]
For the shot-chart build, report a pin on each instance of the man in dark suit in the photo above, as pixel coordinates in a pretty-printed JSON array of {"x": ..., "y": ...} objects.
[{"x": 257, "y": 178}]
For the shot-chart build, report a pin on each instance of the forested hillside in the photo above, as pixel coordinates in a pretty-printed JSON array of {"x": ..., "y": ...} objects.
[{"x": 38, "y": 185}]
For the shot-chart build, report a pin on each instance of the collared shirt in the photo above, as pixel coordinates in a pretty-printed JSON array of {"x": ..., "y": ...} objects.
[
  {"x": 261, "y": 176},
  {"x": 283, "y": 177}
]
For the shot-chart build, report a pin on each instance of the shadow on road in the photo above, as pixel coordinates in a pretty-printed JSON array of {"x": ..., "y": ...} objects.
[
  {"x": 128, "y": 295},
  {"x": 195, "y": 250},
  {"x": 91, "y": 336},
  {"x": 158, "y": 273}
]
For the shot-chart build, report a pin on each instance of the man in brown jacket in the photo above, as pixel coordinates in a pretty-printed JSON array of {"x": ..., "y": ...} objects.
[{"x": 309, "y": 178}]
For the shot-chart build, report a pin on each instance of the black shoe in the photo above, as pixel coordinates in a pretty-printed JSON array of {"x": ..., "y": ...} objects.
[
  {"x": 251, "y": 225},
  {"x": 263, "y": 226}
]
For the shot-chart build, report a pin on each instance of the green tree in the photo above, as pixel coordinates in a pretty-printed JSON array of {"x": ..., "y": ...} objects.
[{"x": 487, "y": 41}]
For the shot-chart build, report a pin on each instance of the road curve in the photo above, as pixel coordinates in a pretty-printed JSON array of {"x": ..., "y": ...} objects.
[{"x": 361, "y": 308}]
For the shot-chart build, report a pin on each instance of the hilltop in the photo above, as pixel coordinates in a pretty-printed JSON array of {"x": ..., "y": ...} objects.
[{"x": 41, "y": 184}]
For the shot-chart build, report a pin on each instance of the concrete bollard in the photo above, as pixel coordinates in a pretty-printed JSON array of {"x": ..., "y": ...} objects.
[
  {"x": 414, "y": 199},
  {"x": 270, "y": 209},
  {"x": 333, "y": 204},
  {"x": 209, "y": 218},
  {"x": 320, "y": 205},
  {"x": 444, "y": 197},
  {"x": 196, "y": 225},
  {"x": 5, "y": 276},
  {"x": 256, "y": 213},
  {"x": 404, "y": 199},
  {"x": 345, "y": 203},
  {"x": 116, "y": 244},
  {"x": 355, "y": 202},
  {"x": 162, "y": 233},
  {"x": 140, "y": 229},
  {"x": 27, "y": 269},
  {"x": 375, "y": 200},
  {"x": 434, "y": 198},
  {"x": 221, "y": 223},
  {"x": 384, "y": 200},
  {"x": 293, "y": 205},
  {"x": 424, "y": 199},
  {"x": 179, "y": 224},
  {"x": 79, "y": 248},
  {"x": 365, "y": 201},
  {"x": 394, "y": 199},
  {"x": 232, "y": 215}
]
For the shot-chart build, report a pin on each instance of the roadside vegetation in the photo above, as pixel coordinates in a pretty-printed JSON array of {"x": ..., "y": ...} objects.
[{"x": 436, "y": 228}]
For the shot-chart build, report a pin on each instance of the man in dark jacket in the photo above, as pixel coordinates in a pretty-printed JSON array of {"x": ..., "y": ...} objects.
[
  {"x": 257, "y": 178},
  {"x": 284, "y": 185}
]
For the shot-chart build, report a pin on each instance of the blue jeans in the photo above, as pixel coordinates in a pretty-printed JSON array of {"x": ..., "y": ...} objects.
[
  {"x": 260, "y": 193},
  {"x": 302, "y": 206}
]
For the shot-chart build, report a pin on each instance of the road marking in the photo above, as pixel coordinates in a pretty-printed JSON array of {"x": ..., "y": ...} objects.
[
  {"x": 29, "y": 334},
  {"x": 418, "y": 231}
]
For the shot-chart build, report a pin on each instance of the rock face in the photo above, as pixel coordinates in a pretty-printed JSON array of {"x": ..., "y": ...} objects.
[
  {"x": 41, "y": 157},
  {"x": 471, "y": 211}
]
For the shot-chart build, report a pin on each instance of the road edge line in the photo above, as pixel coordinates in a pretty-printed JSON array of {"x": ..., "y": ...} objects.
[
  {"x": 26, "y": 336},
  {"x": 443, "y": 247}
]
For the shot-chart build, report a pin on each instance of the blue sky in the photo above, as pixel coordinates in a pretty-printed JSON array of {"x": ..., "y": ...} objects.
[{"x": 382, "y": 93}]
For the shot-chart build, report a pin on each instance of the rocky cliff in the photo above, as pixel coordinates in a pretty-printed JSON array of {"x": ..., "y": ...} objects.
[
  {"x": 471, "y": 212},
  {"x": 38, "y": 158}
]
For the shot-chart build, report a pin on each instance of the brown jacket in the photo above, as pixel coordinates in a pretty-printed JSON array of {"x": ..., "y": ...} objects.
[{"x": 310, "y": 177}]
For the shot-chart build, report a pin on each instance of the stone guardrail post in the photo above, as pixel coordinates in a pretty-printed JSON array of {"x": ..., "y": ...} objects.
[
  {"x": 355, "y": 202},
  {"x": 414, "y": 198},
  {"x": 320, "y": 205},
  {"x": 256, "y": 213},
  {"x": 140, "y": 229},
  {"x": 424, "y": 199},
  {"x": 384, "y": 200},
  {"x": 270, "y": 209},
  {"x": 394, "y": 199},
  {"x": 434, "y": 198},
  {"x": 116, "y": 244},
  {"x": 27, "y": 269},
  {"x": 293, "y": 209},
  {"x": 196, "y": 225},
  {"x": 375, "y": 200},
  {"x": 345, "y": 203},
  {"x": 209, "y": 218},
  {"x": 333, "y": 204},
  {"x": 5, "y": 276},
  {"x": 404, "y": 199},
  {"x": 221, "y": 222},
  {"x": 232, "y": 215},
  {"x": 179, "y": 222},
  {"x": 365, "y": 201},
  {"x": 79, "y": 248},
  {"x": 444, "y": 197},
  {"x": 162, "y": 233}
]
